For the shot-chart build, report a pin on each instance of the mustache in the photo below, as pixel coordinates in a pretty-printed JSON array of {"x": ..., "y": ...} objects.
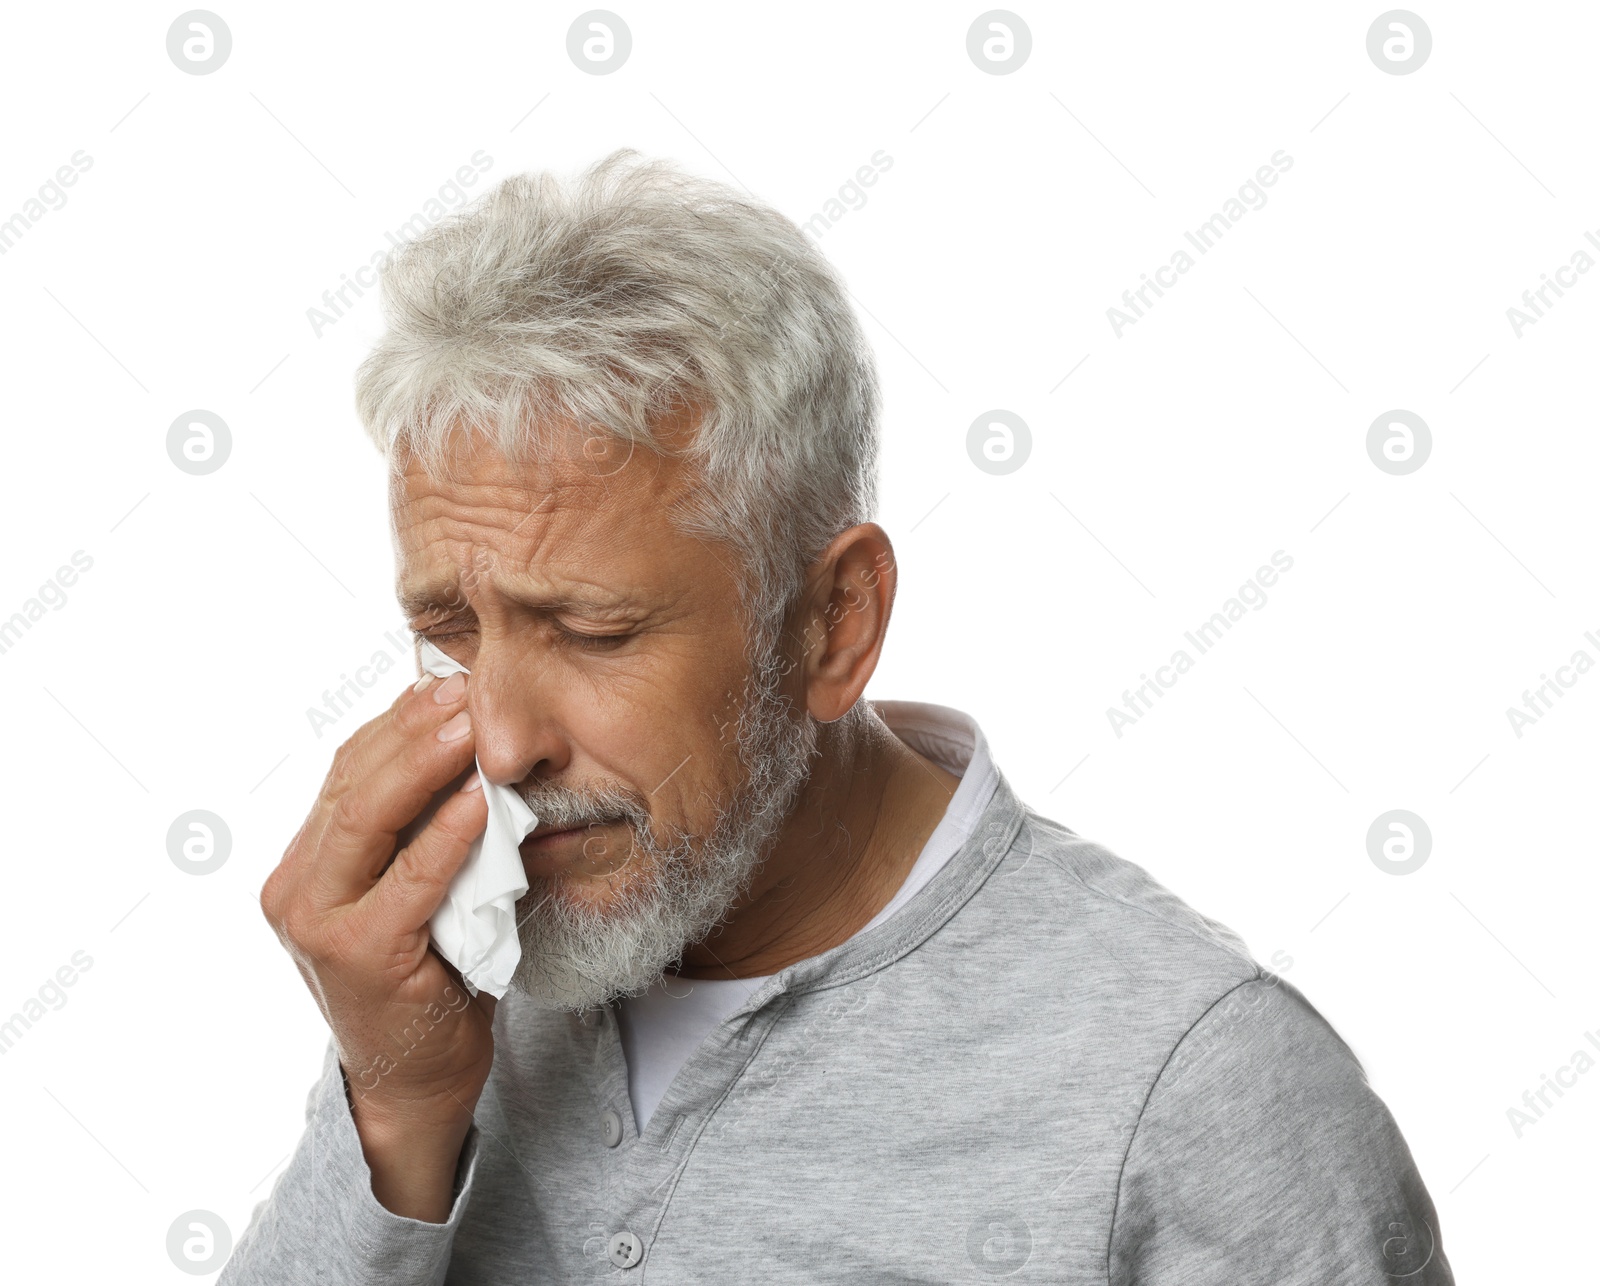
[{"x": 565, "y": 806}]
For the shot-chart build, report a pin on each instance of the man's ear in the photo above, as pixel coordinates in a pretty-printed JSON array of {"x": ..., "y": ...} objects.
[{"x": 844, "y": 617}]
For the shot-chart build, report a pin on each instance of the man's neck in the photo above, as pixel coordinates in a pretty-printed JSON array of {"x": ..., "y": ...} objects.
[{"x": 863, "y": 818}]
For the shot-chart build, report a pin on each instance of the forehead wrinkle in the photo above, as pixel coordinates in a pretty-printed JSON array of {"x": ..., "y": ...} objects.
[
  {"x": 472, "y": 544},
  {"x": 553, "y": 587},
  {"x": 504, "y": 540},
  {"x": 647, "y": 480},
  {"x": 492, "y": 513}
]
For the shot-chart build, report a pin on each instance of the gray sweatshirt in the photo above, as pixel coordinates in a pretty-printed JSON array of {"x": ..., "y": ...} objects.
[{"x": 1044, "y": 1066}]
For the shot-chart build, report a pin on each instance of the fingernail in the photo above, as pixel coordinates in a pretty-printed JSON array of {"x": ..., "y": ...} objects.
[
  {"x": 451, "y": 689},
  {"x": 475, "y": 782},
  {"x": 421, "y": 685},
  {"x": 459, "y": 726}
]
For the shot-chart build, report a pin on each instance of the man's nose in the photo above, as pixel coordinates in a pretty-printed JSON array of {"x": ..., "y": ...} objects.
[{"x": 515, "y": 722}]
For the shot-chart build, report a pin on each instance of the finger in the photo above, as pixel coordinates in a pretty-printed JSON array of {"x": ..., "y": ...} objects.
[
  {"x": 374, "y": 743},
  {"x": 382, "y": 738},
  {"x": 361, "y": 829},
  {"x": 413, "y": 887},
  {"x": 398, "y": 798},
  {"x": 416, "y": 693}
]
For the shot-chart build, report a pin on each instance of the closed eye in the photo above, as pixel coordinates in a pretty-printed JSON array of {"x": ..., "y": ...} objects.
[{"x": 592, "y": 642}]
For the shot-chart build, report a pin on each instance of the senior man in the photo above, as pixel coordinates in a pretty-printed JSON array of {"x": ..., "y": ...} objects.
[{"x": 806, "y": 992}]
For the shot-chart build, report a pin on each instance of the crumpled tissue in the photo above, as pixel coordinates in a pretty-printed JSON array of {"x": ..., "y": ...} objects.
[{"x": 475, "y": 927}]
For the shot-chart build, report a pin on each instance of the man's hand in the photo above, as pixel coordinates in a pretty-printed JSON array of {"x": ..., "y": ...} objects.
[{"x": 353, "y": 914}]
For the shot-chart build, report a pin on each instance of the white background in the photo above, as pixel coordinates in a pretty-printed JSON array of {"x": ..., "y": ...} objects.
[{"x": 1228, "y": 423}]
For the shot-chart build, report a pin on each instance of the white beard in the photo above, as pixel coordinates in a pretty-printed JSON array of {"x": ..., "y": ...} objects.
[{"x": 664, "y": 898}]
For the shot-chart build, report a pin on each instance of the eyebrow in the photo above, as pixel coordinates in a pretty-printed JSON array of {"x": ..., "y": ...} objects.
[{"x": 441, "y": 597}]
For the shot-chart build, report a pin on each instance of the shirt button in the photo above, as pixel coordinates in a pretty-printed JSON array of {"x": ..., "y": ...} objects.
[
  {"x": 625, "y": 1250},
  {"x": 611, "y": 1128}
]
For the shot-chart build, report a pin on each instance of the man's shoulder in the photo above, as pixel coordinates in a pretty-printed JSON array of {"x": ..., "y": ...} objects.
[
  {"x": 1132, "y": 984},
  {"x": 1084, "y": 882},
  {"x": 1112, "y": 939}
]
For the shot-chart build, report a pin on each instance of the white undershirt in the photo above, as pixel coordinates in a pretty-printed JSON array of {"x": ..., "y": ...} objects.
[{"x": 662, "y": 1027}]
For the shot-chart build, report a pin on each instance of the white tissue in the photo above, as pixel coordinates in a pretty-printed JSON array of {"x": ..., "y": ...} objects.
[{"x": 475, "y": 927}]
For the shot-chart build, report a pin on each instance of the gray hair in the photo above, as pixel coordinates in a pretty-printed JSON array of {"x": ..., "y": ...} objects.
[{"x": 635, "y": 293}]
